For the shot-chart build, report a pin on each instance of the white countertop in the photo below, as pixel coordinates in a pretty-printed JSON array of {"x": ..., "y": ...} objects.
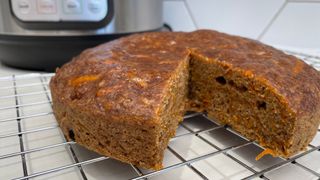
[{"x": 8, "y": 71}]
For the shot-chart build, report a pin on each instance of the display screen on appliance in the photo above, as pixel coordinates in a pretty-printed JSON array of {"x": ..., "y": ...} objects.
[{"x": 59, "y": 10}]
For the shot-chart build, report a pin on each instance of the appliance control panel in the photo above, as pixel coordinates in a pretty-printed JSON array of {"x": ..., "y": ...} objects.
[{"x": 60, "y": 10}]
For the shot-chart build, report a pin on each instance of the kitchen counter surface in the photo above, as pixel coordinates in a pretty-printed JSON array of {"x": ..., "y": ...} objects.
[{"x": 8, "y": 71}]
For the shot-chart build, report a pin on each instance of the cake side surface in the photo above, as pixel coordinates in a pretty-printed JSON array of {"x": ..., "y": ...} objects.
[
  {"x": 111, "y": 98},
  {"x": 121, "y": 139}
]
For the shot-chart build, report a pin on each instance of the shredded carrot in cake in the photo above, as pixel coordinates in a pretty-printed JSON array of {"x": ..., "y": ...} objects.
[
  {"x": 298, "y": 67},
  {"x": 83, "y": 79},
  {"x": 265, "y": 152}
]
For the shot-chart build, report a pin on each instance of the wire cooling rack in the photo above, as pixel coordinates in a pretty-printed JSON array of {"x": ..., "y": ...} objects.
[{"x": 33, "y": 147}]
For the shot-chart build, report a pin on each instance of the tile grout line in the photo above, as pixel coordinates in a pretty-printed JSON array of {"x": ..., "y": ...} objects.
[
  {"x": 264, "y": 31},
  {"x": 191, "y": 15},
  {"x": 23, "y": 157},
  {"x": 73, "y": 154}
]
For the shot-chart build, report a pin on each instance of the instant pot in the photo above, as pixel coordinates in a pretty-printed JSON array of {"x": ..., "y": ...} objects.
[{"x": 44, "y": 34}]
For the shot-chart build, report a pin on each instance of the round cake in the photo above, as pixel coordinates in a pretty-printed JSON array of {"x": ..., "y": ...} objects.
[{"x": 124, "y": 99}]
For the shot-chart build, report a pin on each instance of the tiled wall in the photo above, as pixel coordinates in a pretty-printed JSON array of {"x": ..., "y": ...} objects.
[{"x": 286, "y": 23}]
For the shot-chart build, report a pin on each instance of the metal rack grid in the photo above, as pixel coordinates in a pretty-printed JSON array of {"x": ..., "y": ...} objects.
[{"x": 24, "y": 129}]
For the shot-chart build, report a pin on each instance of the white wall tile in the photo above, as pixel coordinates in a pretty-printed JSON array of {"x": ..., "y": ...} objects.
[
  {"x": 297, "y": 26},
  {"x": 241, "y": 17},
  {"x": 176, "y": 15}
]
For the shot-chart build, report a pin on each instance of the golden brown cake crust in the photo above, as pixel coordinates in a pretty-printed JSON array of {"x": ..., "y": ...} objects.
[
  {"x": 125, "y": 77},
  {"x": 289, "y": 76},
  {"x": 126, "y": 80},
  {"x": 150, "y": 58}
]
